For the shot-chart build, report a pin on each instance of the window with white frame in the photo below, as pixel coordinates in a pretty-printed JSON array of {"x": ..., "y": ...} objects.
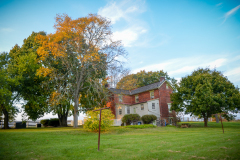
[
  {"x": 128, "y": 110},
  {"x": 169, "y": 107},
  {"x": 120, "y": 98},
  {"x": 151, "y": 94},
  {"x": 120, "y": 110},
  {"x": 166, "y": 86},
  {"x": 153, "y": 105},
  {"x": 142, "y": 107},
  {"x": 136, "y": 99}
]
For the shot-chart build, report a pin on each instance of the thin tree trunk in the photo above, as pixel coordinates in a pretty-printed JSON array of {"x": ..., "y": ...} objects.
[
  {"x": 205, "y": 121},
  {"x": 6, "y": 119},
  {"x": 60, "y": 119}
]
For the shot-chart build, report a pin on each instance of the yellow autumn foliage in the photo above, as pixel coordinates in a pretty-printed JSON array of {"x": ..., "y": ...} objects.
[
  {"x": 42, "y": 71},
  {"x": 92, "y": 122}
]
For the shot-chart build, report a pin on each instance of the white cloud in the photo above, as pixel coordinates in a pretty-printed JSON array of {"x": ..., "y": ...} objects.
[
  {"x": 129, "y": 35},
  {"x": 124, "y": 9},
  {"x": 233, "y": 75},
  {"x": 234, "y": 71},
  {"x": 6, "y": 30},
  {"x": 231, "y": 12},
  {"x": 180, "y": 66}
]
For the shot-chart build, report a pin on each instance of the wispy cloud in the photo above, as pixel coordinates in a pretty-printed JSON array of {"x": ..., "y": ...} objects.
[
  {"x": 124, "y": 9},
  {"x": 129, "y": 35},
  {"x": 6, "y": 30},
  {"x": 231, "y": 12},
  {"x": 233, "y": 74},
  {"x": 179, "y": 66},
  {"x": 219, "y": 4},
  {"x": 128, "y": 11}
]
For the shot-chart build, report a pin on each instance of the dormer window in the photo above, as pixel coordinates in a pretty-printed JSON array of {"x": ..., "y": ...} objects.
[
  {"x": 136, "y": 99},
  {"x": 120, "y": 98},
  {"x": 151, "y": 94}
]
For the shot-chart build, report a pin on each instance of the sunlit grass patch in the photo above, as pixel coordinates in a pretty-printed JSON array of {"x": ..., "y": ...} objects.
[{"x": 123, "y": 143}]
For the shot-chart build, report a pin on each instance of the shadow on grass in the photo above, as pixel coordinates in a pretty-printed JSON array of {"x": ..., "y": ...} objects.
[{"x": 213, "y": 124}]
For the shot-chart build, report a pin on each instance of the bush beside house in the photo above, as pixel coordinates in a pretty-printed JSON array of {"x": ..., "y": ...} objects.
[
  {"x": 147, "y": 119},
  {"x": 130, "y": 118}
]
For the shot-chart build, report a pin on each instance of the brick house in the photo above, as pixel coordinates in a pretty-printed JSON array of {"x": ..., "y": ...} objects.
[{"x": 151, "y": 99}]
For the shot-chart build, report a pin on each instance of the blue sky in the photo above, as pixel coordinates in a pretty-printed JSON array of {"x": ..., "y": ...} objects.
[{"x": 177, "y": 36}]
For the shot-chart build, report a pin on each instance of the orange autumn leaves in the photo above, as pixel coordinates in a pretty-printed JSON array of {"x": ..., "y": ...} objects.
[{"x": 72, "y": 37}]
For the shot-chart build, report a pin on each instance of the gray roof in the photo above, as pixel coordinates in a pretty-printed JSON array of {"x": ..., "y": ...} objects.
[
  {"x": 119, "y": 91},
  {"x": 137, "y": 90}
]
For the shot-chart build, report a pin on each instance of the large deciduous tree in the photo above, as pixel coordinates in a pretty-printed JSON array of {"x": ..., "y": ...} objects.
[
  {"x": 84, "y": 49},
  {"x": 23, "y": 65},
  {"x": 205, "y": 92},
  {"x": 8, "y": 87},
  {"x": 141, "y": 79}
]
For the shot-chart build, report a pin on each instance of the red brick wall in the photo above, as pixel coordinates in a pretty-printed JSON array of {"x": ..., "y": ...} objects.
[
  {"x": 112, "y": 104},
  {"x": 164, "y": 100},
  {"x": 143, "y": 97},
  {"x": 116, "y": 99},
  {"x": 127, "y": 99},
  {"x": 156, "y": 93}
]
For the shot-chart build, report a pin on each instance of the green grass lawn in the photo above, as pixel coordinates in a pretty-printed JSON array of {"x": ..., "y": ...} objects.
[{"x": 196, "y": 142}]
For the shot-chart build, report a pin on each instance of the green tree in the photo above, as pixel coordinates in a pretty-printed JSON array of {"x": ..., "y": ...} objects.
[
  {"x": 205, "y": 92},
  {"x": 7, "y": 91},
  {"x": 23, "y": 65},
  {"x": 141, "y": 79}
]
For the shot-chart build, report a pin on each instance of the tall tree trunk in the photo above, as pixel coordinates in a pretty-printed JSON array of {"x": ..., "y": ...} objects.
[
  {"x": 6, "y": 119},
  {"x": 63, "y": 114},
  {"x": 75, "y": 115},
  {"x": 63, "y": 119}
]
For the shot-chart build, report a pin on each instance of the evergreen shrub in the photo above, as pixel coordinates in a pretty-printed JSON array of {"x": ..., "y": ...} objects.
[
  {"x": 148, "y": 118},
  {"x": 44, "y": 122},
  {"x": 53, "y": 122},
  {"x": 129, "y": 118}
]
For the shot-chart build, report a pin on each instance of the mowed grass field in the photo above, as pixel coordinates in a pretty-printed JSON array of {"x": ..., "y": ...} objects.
[{"x": 196, "y": 142}]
